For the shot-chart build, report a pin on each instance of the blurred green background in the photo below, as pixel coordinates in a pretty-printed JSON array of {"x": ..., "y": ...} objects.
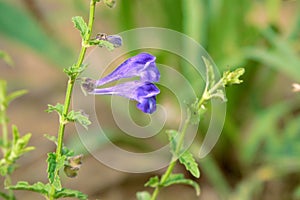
[{"x": 258, "y": 153}]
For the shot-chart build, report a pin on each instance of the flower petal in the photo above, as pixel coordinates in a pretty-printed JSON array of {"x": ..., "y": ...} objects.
[
  {"x": 143, "y": 92},
  {"x": 116, "y": 40},
  {"x": 147, "y": 105},
  {"x": 142, "y": 65},
  {"x": 133, "y": 90}
]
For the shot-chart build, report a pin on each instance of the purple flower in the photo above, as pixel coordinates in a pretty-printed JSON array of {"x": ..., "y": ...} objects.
[
  {"x": 115, "y": 40},
  {"x": 142, "y": 65},
  {"x": 143, "y": 91}
]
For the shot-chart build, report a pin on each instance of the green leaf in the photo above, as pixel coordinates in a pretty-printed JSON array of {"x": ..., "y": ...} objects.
[
  {"x": 54, "y": 165},
  {"x": 153, "y": 182},
  {"x": 144, "y": 195},
  {"x": 59, "y": 108},
  {"x": 219, "y": 94},
  {"x": 179, "y": 179},
  {"x": 64, "y": 192},
  {"x": 74, "y": 71},
  {"x": 172, "y": 134},
  {"x": 51, "y": 160},
  {"x": 102, "y": 43},
  {"x": 79, "y": 117},
  {"x": 190, "y": 164},
  {"x": 37, "y": 187},
  {"x": 195, "y": 113},
  {"x": 15, "y": 95},
  {"x": 210, "y": 74},
  {"x": 19, "y": 146},
  {"x": 80, "y": 24},
  {"x": 3, "y": 93},
  {"x": 67, "y": 152},
  {"x": 4, "y": 196},
  {"x": 4, "y": 56},
  {"x": 5, "y": 99},
  {"x": 51, "y": 138}
]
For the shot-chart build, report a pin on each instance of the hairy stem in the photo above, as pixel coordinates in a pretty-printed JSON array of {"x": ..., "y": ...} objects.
[
  {"x": 63, "y": 120},
  {"x": 173, "y": 162},
  {"x": 70, "y": 85},
  {"x": 4, "y": 133}
]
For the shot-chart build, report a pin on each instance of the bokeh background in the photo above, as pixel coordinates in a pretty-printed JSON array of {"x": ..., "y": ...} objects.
[{"x": 258, "y": 153}]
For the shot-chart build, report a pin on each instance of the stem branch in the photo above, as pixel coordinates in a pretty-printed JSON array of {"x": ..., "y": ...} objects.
[{"x": 172, "y": 164}]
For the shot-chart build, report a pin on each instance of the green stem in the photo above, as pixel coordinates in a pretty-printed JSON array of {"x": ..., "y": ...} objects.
[
  {"x": 70, "y": 85},
  {"x": 4, "y": 133},
  {"x": 63, "y": 120},
  {"x": 11, "y": 195},
  {"x": 172, "y": 164},
  {"x": 207, "y": 93}
]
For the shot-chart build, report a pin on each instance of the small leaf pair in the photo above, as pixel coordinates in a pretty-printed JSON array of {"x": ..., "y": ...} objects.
[
  {"x": 16, "y": 149},
  {"x": 45, "y": 189},
  {"x": 186, "y": 158},
  {"x": 72, "y": 116}
]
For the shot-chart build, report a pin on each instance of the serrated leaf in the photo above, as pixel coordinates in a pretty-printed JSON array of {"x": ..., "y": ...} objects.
[
  {"x": 153, "y": 182},
  {"x": 179, "y": 179},
  {"x": 64, "y": 192},
  {"x": 54, "y": 165},
  {"x": 51, "y": 160},
  {"x": 210, "y": 75},
  {"x": 144, "y": 195},
  {"x": 37, "y": 187},
  {"x": 80, "y": 24},
  {"x": 79, "y": 117},
  {"x": 172, "y": 134},
  {"x": 19, "y": 146},
  {"x": 57, "y": 108},
  {"x": 190, "y": 164}
]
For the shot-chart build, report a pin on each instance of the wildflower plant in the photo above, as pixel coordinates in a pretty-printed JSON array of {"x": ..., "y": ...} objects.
[
  {"x": 213, "y": 89},
  {"x": 12, "y": 149},
  {"x": 138, "y": 74}
]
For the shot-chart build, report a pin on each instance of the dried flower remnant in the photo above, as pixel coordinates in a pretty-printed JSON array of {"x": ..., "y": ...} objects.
[
  {"x": 115, "y": 40},
  {"x": 74, "y": 163}
]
